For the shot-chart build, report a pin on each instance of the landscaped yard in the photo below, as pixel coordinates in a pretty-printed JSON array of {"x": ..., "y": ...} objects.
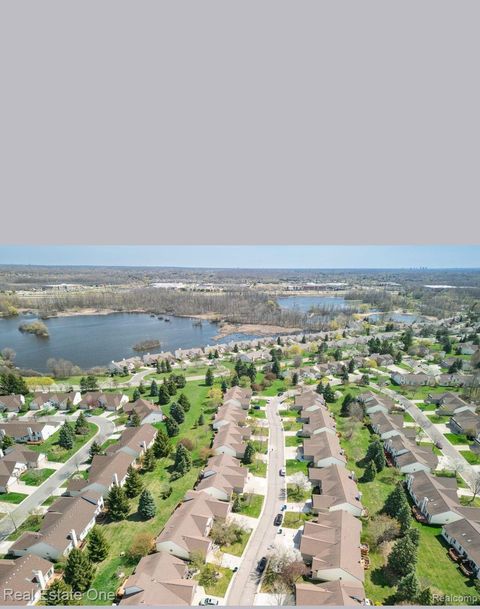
[
  {"x": 297, "y": 495},
  {"x": 293, "y": 466},
  {"x": 293, "y": 441},
  {"x": 470, "y": 457},
  {"x": 32, "y": 524},
  {"x": 55, "y": 452},
  {"x": 294, "y": 520},
  {"x": 251, "y": 505},
  {"x": 291, "y": 425},
  {"x": 12, "y": 497},
  {"x": 238, "y": 547},
  {"x": 258, "y": 468},
  {"x": 257, "y": 414},
  {"x": 221, "y": 585},
  {"x": 35, "y": 477},
  {"x": 454, "y": 438}
]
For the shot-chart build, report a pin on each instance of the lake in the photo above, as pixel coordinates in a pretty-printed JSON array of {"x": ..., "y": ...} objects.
[
  {"x": 305, "y": 303},
  {"x": 96, "y": 340}
]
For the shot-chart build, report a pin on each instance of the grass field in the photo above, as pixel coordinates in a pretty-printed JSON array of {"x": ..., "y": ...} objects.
[
  {"x": 470, "y": 457},
  {"x": 221, "y": 585},
  {"x": 37, "y": 476},
  {"x": 454, "y": 438},
  {"x": 12, "y": 497},
  {"x": 120, "y": 535},
  {"x": 258, "y": 468},
  {"x": 291, "y": 425},
  {"x": 237, "y": 548},
  {"x": 293, "y": 466},
  {"x": 293, "y": 441},
  {"x": 294, "y": 520},
  {"x": 32, "y": 523},
  {"x": 252, "y": 505},
  {"x": 55, "y": 452}
]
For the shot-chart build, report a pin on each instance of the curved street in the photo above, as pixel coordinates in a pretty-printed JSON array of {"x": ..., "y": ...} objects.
[
  {"x": 17, "y": 516},
  {"x": 246, "y": 580}
]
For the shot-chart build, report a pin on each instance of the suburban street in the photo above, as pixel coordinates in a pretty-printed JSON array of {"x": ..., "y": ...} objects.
[
  {"x": 246, "y": 579},
  {"x": 105, "y": 428},
  {"x": 467, "y": 472}
]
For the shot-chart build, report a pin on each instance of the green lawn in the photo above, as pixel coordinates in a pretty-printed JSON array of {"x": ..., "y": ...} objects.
[
  {"x": 257, "y": 414},
  {"x": 408, "y": 418},
  {"x": 291, "y": 425},
  {"x": 55, "y": 452},
  {"x": 35, "y": 477},
  {"x": 237, "y": 548},
  {"x": 454, "y": 438},
  {"x": 120, "y": 535},
  {"x": 437, "y": 419},
  {"x": 32, "y": 523},
  {"x": 294, "y": 494},
  {"x": 12, "y": 497},
  {"x": 293, "y": 466},
  {"x": 221, "y": 585},
  {"x": 258, "y": 468},
  {"x": 294, "y": 520},
  {"x": 293, "y": 441},
  {"x": 251, "y": 505},
  {"x": 470, "y": 457}
]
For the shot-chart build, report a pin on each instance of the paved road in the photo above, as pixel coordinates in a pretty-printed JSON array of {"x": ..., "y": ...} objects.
[
  {"x": 44, "y": 491},
  {"x": 459, "y": 463},
  {"x": 246, "y": 580}
]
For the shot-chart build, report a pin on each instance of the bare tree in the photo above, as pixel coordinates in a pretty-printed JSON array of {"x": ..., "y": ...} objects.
[
  {"x": 301, "y": 483},
  {"x": 475, "y": 487},
  {"x": 8, "y": 354}
]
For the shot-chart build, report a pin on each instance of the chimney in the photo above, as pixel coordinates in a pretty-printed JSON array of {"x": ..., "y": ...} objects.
[
  {"x": 30, "y": 432},
  {"x": 73, "y": 537},
  {"x": 40, "y": 578},
  {"x": 115, "y": 479},
  {"x": 1, "y": 453},
  {"x": 144, "y": 444}
]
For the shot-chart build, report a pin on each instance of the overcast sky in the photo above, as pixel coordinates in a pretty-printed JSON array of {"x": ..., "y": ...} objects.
[{"x": 268, "y": 256}]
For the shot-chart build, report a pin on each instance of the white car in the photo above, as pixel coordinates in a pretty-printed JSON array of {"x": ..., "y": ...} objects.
[{"x": 283, "y": 472}]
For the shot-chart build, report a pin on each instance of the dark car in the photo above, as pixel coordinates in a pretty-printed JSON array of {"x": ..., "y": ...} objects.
[
  {"x": 262, "y": 563},
  {"x": 278, "y": 520}
]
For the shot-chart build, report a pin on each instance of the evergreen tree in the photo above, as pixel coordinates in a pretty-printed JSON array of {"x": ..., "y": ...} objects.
[
  {"x": 295, "y": 378},
  {"x": 153, "y": 388},
  {"x": 168, "y": 366},
  {"x": 148, "y": 461},
  {"x": 249, "y": 453},
  {"x": 133, "y": 483},
  {"x": 216, "y": 354},
  {"x": 320, "y": 388},
  {"x": 201, "y": 420},
  {"x": 404, "y": 517},
  {"x": 408, "y": 588},
  {"x": 425, "y": 597},
  {"x": 95, "y": 449},
  {"x": 224, "y": 386},
  {"x": 159, "y": 366},
  {"x": 163, "y": 395},
  {"x": 146, "y": 505},
  {"x": 235, "y": 348},
  {"x": 97, "y": 547},
  {"x": 117, "y": 503},
  {"x": 81, "y": 425},
  {"x": 136, "y": 394},
  {"x": 141, "y": 387},
  {"x": 184, "y": 402},
  {"x": 347, "y": 400},
  {"x": 134, "y": 419},
  {"x": 172, "y": 427},
  {"x": 414, "y": 536},
  {"x": 59, "y": 593},
  {"x": 171, "y": 386},
  {"x": 276, "y": 367},
  {"x": 304, "y": 339},
  {"x": 177, "y": 412},
  {"x": 403, "y": 557},
  {"x": 183, "y": 460},
  {"x": 235, "y": 380},
  {"x": 7, "y": 442},
  {"x": 329, "y": 394},
  {"x": 370, "y": 472},
  {"x": 66, "y": 436},
  {"x": 11, "y": 383},
  {"x": 79, "y": 571},
  {"x": 351, "y": 366},
  {"x": 209, "y": 378},
  {"x": 161, "y": 445},
  {"x": 395, "y": 500}
]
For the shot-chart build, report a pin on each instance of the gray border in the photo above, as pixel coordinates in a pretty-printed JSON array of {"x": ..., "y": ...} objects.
[{"x": 240, "y": 122}]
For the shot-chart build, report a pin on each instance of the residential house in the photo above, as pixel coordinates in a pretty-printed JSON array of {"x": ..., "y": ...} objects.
[
  {"x": 238, "y": 396},
  {"x": 222, "y": 477},
  {"x": 105, "y": 471},
  {"x": 374, "y": 402},
  {"x": 334, "y": 488},
  {"x": 414, "y": 380},
  {"x": 64, "y": 527},
  {"x": 147, "y": 411},
  {"x": 464, "y": 536},
  {"x": 62, "y": 401},
  {"x": 436, "y": 497},
  {"x": 231, "y": 440},
  {"x": 410, "y": 457},
  {"x": 27, "y": 432},
  {"x": 452, "y": 380},
  {"x": 23, "y": 580},
  {"x": 317, "y": 421},
  {"x": 159, "y": 579},
  {"x": 465, "y": 422},
  {"x": 323, "y": 450},
  {"x": 308, "y": 400},
  {"x": 16, "y": 461},
  {"x": 11, "y": 403},
  {"x": 98, "y": 399},
  {"x": 332, "y": 593},
  {"x": 229, "y": 414},
  {"x": 386, "y": 425},
  {"x": 188, "y": 528},
  {"x": 331, "y": 547}
]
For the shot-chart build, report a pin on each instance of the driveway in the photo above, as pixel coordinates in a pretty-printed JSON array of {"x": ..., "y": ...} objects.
[
  {"x": 245, "y": 580},
  {"x": 45, "y": 490},
  {"x": 457, "y": 461}
]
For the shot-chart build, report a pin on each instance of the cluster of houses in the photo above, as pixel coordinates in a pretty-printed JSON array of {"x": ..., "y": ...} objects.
[
  {"x": 69, "y": 519},
  {"x": 14, "y": 461},
  {"x": 166, "y": 574},
  {"x": 330, "y": 544}
]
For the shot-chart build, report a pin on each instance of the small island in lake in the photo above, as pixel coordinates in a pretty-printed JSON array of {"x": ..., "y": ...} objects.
[
  {"x": 35, "y": 327},
  {"x": 145, "y": 345}
]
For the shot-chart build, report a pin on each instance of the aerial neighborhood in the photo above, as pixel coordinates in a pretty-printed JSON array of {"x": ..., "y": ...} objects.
[{"x": 338, "y": 466}]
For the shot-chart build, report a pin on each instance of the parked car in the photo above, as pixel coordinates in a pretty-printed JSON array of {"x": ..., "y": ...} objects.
[
  {"x": 282, "y": 471},
  {"x": 278, "y": 520},
  {"x": 208, "y": 601},
  {"x": 262, "y": 563},
  {"x": 256, "y": 407}
]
